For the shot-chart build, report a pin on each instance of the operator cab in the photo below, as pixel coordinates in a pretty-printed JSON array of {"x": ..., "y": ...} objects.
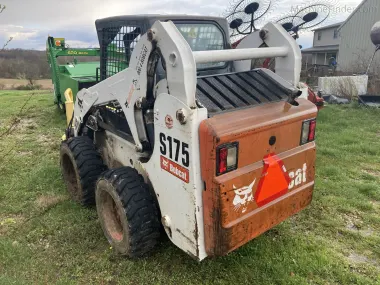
[{"x": 119, "y": 35}]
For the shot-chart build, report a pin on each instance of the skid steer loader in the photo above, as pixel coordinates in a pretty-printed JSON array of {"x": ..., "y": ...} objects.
[{"x": 183, "y": 135}]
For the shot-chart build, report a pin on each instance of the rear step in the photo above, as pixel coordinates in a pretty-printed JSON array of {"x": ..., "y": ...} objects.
[{"x": 219, "y": 93}]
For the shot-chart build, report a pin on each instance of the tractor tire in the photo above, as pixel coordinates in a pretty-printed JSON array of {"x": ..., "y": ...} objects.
[
  {"x": 127, "y": 211},
  {"x": 81, "y": 167}
]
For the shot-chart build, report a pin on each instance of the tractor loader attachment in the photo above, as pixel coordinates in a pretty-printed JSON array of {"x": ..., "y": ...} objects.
[
  {"x": 226, "y": 152},
  {"x": 74, "y": 75}
]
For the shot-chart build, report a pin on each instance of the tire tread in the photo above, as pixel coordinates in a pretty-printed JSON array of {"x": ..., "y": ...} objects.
[
  {"x": 89, "y": 164},
  {"x": 140, "y": 207}
]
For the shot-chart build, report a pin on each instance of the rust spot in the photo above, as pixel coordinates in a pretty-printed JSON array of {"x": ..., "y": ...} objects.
[{"x": 169, "y": 121}]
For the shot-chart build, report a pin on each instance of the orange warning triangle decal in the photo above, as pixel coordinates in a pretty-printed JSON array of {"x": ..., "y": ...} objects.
[{"x": 274, "y": 181}]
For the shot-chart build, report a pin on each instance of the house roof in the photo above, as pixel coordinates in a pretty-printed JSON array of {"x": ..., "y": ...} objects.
[
  {"x": 329, "y": 26},
  {"x": 321, "y": 49},
  {"x": 352, "y": 14}
]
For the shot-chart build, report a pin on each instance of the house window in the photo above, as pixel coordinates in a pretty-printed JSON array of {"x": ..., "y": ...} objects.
[
  {"x": 335, "y": 33},
  {"x": 319, "y": 36}
]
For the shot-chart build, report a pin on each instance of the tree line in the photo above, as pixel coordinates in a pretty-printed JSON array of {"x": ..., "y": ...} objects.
[
  {"x": 31, "y": 64},
  {"x": 20, "y": 63}
]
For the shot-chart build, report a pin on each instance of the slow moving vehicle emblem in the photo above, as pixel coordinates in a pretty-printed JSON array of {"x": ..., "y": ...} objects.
[{"x": 275, "y": 181}]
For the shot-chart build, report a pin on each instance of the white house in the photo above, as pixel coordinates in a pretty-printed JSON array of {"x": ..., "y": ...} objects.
[
  {"x": 325, "y": 46},
  {"x": 356, "y": 47},
  {"x": 348, "y": 42}
]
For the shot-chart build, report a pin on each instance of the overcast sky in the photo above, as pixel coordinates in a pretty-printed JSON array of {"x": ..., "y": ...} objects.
[{"x": 31, "y": 21}]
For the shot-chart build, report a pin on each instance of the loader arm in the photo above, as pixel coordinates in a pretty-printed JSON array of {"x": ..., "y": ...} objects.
[{"x": 288, "y": 67}]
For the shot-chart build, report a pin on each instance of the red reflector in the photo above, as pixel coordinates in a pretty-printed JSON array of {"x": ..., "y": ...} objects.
[
  {"x": 308, "y": 131},
  {"x": 274, "y": 181},
  {"x": 223, "y": 152},
  {"x": 312, "y": 126}
]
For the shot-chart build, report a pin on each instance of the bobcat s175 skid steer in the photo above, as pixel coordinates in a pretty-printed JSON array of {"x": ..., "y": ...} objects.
[{"x": 183, "y": 135}]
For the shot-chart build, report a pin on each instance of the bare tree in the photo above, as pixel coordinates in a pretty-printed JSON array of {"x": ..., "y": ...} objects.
[
  {"x": 2, "y": 8},
  {"x": 360, "y": 65},
  {"x": 6, "y": 43},
  {"x": 346, "y": 88}
]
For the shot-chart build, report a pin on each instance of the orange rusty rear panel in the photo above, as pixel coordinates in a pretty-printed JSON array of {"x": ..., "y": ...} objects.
[{"x": 228, "y": 226}]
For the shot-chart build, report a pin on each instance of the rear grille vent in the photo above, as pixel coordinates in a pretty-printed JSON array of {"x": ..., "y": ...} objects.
[{"x": 224, "y": 92}]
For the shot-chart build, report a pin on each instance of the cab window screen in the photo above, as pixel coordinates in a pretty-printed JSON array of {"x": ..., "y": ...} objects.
[{"x": 201, "y": 37}]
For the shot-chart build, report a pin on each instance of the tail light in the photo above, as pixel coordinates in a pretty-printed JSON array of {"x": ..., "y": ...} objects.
[
  {"x": 308, "y": 131},
  {"x": 227, "y": 158}
]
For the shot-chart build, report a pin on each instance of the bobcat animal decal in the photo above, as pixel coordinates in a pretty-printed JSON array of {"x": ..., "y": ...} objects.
[{"x": 243, "y": 197}]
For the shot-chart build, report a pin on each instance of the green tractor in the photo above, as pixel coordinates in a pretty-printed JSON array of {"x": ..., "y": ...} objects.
[{"x": 72, "y": 76}]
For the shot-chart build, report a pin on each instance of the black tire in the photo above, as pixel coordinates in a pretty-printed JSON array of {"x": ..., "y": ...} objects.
[
  {"x": 81, "y": 166},
  {"x": 127, "y": 211}
]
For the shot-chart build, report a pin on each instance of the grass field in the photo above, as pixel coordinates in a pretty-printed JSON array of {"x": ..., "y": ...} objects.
[{"x": 47, "y": 239}]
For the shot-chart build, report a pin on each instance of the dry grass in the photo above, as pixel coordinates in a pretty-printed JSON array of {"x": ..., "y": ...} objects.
[
  {"x": 12, "y": 83},
  {"x": 47, "y": 201}
]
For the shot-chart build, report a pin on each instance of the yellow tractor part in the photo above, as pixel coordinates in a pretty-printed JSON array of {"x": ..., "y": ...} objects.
[{"x": 69, "y": 104}]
